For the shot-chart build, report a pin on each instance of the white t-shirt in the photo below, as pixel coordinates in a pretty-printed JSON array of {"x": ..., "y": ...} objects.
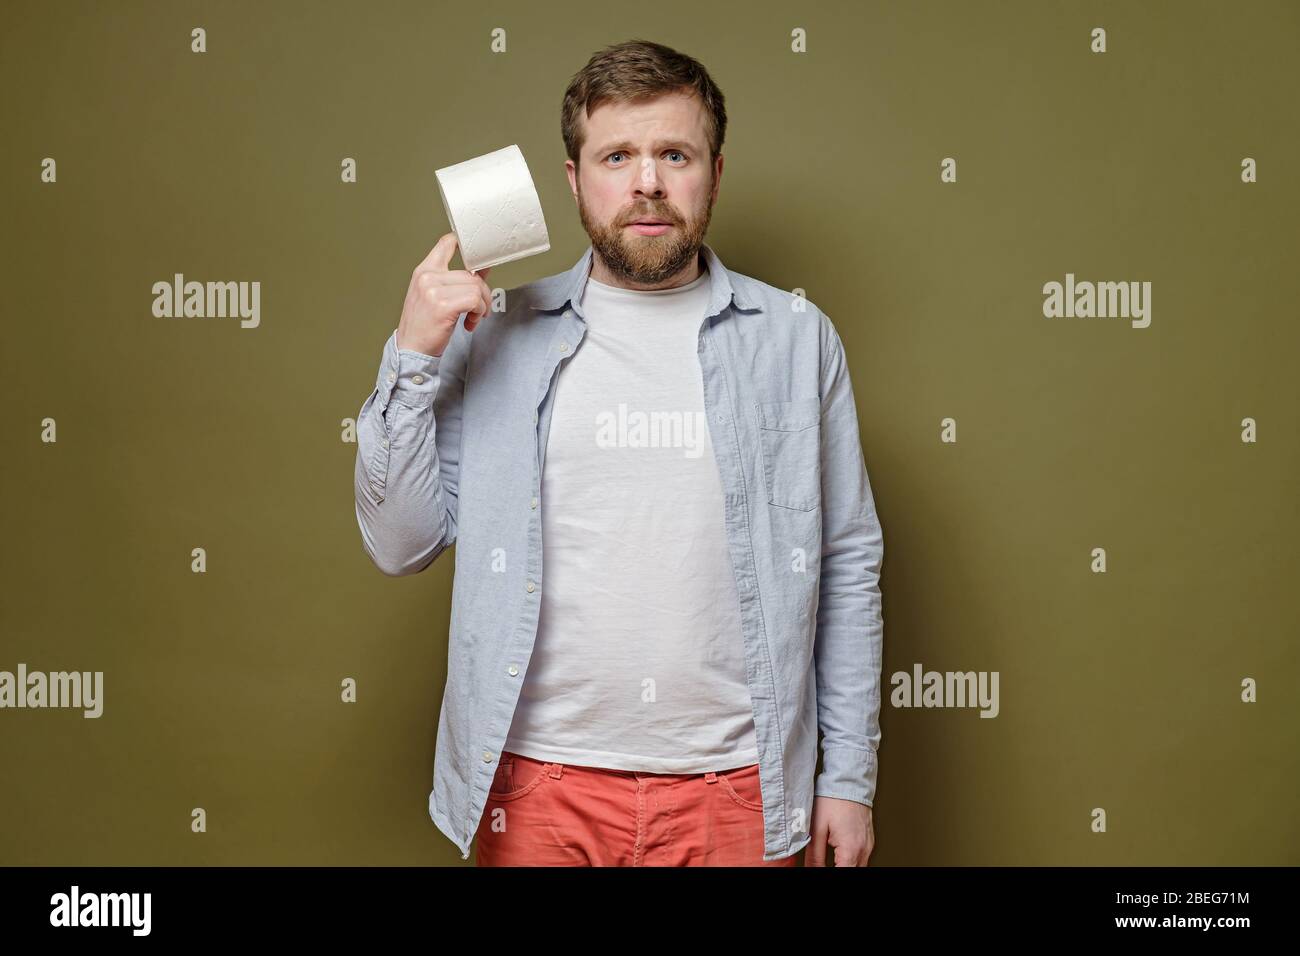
[{"x": 639, "y": 662}]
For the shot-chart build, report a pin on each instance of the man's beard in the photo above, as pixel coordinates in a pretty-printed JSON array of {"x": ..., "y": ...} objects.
[{"x": 647, "y": 260}]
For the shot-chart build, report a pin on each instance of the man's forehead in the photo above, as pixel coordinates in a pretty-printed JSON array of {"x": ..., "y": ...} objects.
[{"x": 664, "y": 120}]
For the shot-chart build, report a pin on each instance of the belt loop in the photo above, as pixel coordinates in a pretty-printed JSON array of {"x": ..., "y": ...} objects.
[
  {"x": 557, "y": 769},
  {"x": 710, "y": 777}
]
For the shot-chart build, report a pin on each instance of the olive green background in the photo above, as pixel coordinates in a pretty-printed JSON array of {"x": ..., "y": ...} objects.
[{"x": 1118, "y": 690}]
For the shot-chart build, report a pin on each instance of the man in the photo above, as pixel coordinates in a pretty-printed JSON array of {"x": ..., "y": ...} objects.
[{"x": 668, "y": 554}]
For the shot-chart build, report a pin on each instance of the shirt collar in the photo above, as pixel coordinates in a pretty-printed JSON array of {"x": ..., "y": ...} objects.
[{"x": 566, "y": 288}]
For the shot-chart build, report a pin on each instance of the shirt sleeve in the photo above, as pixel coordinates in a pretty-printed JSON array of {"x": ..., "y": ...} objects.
[
  {"x": 850, "y": 623},
  {"x": 408, "y": 450}
]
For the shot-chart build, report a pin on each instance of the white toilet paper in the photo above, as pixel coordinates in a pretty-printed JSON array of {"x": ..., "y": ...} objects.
[{"x": 493, "y": 208}]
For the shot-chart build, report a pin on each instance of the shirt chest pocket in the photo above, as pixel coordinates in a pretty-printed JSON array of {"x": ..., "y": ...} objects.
[{"x": 789, "y": 439}]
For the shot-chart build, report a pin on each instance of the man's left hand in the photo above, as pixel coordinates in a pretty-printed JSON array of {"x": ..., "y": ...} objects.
[{"x": 844, "y": 825}]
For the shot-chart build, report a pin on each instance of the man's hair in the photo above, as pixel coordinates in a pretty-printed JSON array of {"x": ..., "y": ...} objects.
[{"x": 639, "y": 70}]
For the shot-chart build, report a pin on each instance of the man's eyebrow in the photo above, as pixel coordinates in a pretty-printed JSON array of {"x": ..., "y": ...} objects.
[{"x": 659, "y": 145}]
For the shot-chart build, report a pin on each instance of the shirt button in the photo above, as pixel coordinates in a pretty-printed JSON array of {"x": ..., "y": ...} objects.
[
  {"x": 564, "y": 346},
  {"x": 534, "y": 502},
  {"x": 531, "y": 587},
  {"x": 392, "y": 377},
  {"x": 417, "y": 379},
  {"x": 487, "y": 756},
  {"x": 385, "y": 442},
  {"x": 514, "y": 671}
]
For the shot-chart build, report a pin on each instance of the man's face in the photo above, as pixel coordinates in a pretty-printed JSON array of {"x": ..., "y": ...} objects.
[{"x": 646, "y": 160}]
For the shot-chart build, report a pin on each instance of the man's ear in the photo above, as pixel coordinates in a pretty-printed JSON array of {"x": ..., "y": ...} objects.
[{"x": 571, "y": 170}]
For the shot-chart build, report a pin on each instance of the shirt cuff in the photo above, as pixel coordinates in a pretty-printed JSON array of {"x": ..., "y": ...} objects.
[
  {"x": 847, "y": 773},
  {"x": 406, "y": 375}
]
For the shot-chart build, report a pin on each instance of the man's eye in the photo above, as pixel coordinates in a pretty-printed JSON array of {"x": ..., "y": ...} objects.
[{"x": 671, "y": 152}]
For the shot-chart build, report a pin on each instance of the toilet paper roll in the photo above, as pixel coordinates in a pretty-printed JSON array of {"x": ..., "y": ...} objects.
[{"x": 493, "y": 208}]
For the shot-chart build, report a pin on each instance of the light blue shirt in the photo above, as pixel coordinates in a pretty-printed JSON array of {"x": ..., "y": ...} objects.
[{"x": 450, "y": 449}]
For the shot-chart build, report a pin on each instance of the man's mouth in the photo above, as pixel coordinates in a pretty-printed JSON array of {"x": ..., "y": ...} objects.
[{"x": 650, "y": 226}]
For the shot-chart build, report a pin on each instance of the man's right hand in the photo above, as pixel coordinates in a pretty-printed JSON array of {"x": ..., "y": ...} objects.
[{"x": 437, "y": 296}]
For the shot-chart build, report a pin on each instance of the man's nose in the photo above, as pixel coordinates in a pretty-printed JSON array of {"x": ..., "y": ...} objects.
[{"x": 647, "y": 180}]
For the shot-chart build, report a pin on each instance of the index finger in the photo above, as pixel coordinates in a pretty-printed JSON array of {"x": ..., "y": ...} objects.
[{"x": 439, "y": 256}]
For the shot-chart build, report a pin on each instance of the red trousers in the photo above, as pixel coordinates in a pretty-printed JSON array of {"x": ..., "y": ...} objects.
[{"x": 540, "y": 813}]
